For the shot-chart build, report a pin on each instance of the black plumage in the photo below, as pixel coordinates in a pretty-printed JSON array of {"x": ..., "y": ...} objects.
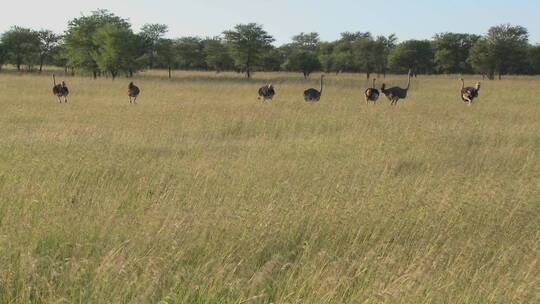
[
  {"x": 267, "y": 92},
  {"x": 394, "y": 94},
  {"x": 468, "y": 94},
  {"x": 60, "y": 90},
  {"x": 372, "y": 94},
  {"x": 313, "y": 95},
  {"x": 133, "y": 92}
]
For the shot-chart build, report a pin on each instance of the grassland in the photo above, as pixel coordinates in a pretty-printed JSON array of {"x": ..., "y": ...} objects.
[{"x": 202, "y": 194}]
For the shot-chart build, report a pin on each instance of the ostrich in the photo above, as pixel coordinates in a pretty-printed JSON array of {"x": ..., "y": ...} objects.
[
  {"x": 133, "y": 92},
  {"x": 312, "y": 95},
  {"x": 267, "y": 92},
  {"x": 468, "y": 94},
  {"x": 394, "y": 94},
  {"x": 60, "y": 90},
  {"x": 372, "y": 94}
]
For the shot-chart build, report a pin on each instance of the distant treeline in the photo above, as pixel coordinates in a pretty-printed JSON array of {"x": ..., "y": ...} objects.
[{"x": 103, "y": 44}]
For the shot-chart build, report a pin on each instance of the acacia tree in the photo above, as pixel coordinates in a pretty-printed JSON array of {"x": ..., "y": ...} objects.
[
  {"x": 363, "y": 50},
  {"x": 190, "y": 51},
  {"x": 22, "y": 46},
  {"x": 152, "y": 34},
  {"x": 304, "y": 61},
  {"x": 81, "y": 46},
  {"x": 502, "y": 50},
  {"x": 217, "y": 56},
  {"x": 326, "y": 56},
  {"x": 452, "y": 51},
  {"x": 534, "y": 59},
  {"x": 118, "y": 49},
  {"x": 415, "y": 55},
  {"x": 301, "y": 54},
  {"x": 482, "y": 59},
  {"x": 381, "y": 50},
  {"x": 509, "y": 46},
  {"x": 3, "y": 55},
  {"x": 48, "y": 42},
  {"x": 247, "y": 43},
  {"x": 166, "y": 54}
]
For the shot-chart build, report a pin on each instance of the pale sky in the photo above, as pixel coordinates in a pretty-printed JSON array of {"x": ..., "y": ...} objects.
[{"x": 419, "y": 19}]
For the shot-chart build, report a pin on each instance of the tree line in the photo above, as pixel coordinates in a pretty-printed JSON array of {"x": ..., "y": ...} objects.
[{"x": 103, "y": 44}]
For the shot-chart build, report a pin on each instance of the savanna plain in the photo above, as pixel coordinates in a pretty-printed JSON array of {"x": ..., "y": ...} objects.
[{"x": 200, "y": 193}]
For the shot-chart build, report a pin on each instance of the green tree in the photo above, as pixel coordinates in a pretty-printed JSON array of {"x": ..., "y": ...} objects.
[
  {"x": 117, "y": 50},
  {"x": 166, "y": 54},
  {"x": 48, "y": 42},
  {"x": 482, "y": 58},
  {"x": 217, "y": 56},
  {"x": 22, "y": 46},
  {"x": 452, "y": 51},
  {"x": 272, "y": 59},
  {"x": 152, "y": 34},
  {"x": 81, "y": 46},
  {"x": 3, "y": 55},
  {"x": 304, "y": 61},
  {"x": 302, "y": 54},
  {"x": 344, "y": 57},
  {"x": 509, "y": 46},
  {"x": 382, "y": 48},
  {"x": 364, "y": 56},
  {"x": 326, "y": 56},
  {"x": 307, "y": 41},
  {"x": 415, "y": 55},
  {"x": 190, "y": 51},
  {"x": 534, "y": 59},
  {"x": 247, "y": 43}
]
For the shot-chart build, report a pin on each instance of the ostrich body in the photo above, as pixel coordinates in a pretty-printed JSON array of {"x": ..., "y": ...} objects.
[
  {"x": 372, "y": 94},
  {"x": 312, "y": 95},
  {"x": 394, "y": 94},
  {"x": 60, "y": 90},
  {"x": 267, "y": 92},
  {"x": 468, "y": 94},
  {"x": 133, "y": 92}
]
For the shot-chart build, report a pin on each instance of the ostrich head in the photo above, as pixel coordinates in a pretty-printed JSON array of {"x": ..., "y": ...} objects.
[
  {"x": 63, "y": 84},
  {"x": 478, "y": 86},
  {"x": 383, "y": 87}
]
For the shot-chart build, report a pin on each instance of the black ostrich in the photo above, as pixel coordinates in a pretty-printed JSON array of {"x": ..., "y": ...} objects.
[
  {"x": 60, "y": 90},
  {"x": 468, "y": 94},
  {"x": 133, "y": 92},
  {"x": 267, "y": 92},
  {"x": 394, "y": 94},
  {"x": 372, "y": 94},
  {"x": 312, "y": 95}
]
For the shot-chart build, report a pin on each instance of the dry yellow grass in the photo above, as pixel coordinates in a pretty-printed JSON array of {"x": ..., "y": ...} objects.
[{"x": 202, "y": 194}]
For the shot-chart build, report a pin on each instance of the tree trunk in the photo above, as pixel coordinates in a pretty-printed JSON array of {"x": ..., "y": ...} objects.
[
  {"x": 170, "y": 72},
  {"x": 248, "y": 66},
  {"x": 95, "y": 74},
  {"x": 368, "y": 75},
  {"x": 41, "y": 58}
]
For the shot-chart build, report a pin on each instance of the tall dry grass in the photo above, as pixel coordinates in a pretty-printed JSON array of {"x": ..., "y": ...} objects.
[{"x": 202, "y": 194}]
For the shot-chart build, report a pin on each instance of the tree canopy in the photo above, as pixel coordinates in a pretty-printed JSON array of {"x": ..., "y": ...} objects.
[
  {"x": 104, "y": 44},
  {"x": 247, "y": 43}
]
